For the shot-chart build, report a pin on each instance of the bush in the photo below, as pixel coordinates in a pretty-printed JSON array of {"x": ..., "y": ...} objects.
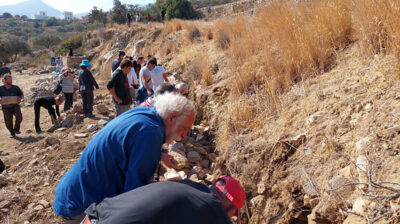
[
  {"x": 73, "y": 42},
  {"x": 52, "y": 21},
  {"x": 46, "y": 40},
  {"x": 11, "y": 47},
  {"x": 181, "y": 9}
]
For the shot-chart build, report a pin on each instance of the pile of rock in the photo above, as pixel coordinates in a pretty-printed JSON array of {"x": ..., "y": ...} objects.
[
  {"x": 193, "y": 159},
  {"x": 44, "y": 86}
]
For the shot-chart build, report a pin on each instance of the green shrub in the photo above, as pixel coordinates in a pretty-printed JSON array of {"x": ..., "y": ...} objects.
[{"x": 74, "y": 42}]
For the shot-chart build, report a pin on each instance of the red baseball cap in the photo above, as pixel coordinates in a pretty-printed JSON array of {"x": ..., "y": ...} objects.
[{"x": 233, "y": 191}]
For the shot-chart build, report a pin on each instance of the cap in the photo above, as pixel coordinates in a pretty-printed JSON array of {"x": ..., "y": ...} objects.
[{"x": 233, "y": 191}]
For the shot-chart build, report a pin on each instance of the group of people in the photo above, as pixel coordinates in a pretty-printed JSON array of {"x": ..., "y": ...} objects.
[
  {"x": 111, "y": 180},
  {"x": 138, "y": 18}
]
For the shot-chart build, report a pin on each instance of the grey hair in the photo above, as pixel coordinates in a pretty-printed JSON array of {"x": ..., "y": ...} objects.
[
  {"x": 182, "y": 86},
  {"x": 167, "y": 103}
]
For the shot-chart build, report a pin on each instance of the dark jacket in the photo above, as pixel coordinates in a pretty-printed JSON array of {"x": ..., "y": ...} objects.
[
  {"x": 86, "y": 80},
  {"x": 120, "y": 83},
  {"x": 115, "y": 64}
]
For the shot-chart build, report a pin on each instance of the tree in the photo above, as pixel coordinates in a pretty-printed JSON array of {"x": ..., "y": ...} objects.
[
  {"x": 11, "y": 47},
  {"x": 52, "y": 21},
  {"x": 7, "y": 15},
  {"x": 97, "y": 16},
  {"x": 181, "y": 9},
  {"x": 24, "y": 17},
  {"x": 118, "y": 12},
  {"x": 46, "y": 40}
]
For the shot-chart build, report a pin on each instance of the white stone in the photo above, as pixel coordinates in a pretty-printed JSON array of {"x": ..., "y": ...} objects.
[
  {"x": 81, "y": 135},
  {"x": 362, "y": 167},
  {"x": 92, "y": 127},
  {"x": 44, "y": 203},
  {"x": 362, "y": 144},
  {"x": 39, "y": 207},
  {"x": 102, "y": 122},
  {"x": 358, "y": 205}
]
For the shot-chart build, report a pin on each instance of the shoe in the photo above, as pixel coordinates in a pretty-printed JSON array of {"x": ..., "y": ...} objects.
[
  {"x": 39, "y": 132},
  {"x": 12, "y": 135},
  {"x": 90, "y": 116},
  {"x": 17, "y": 132}
]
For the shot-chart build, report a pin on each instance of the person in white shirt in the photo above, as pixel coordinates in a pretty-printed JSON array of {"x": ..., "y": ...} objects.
[{"x": 158, "y": 76}]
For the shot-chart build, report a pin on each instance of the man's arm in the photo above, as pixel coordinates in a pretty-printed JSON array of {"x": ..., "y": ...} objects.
[
  {"x": 145, "y": 77},
  {"x": 114, "y": 95},
  {"x": 165, "y": 77}
]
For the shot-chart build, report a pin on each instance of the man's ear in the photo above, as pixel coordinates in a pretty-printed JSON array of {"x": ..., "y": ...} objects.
[{"x": 172, "y": 117}]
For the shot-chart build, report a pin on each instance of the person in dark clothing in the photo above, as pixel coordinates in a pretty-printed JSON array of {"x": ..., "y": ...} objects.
[
  {"x": 4, "y": 70},
  {"x": 128, "y": 19},
  {"x": 71, "y": 52},
  {"x": 163, "y": 12},
  {"x": 137, "y": 65},
  {"x": 177, "y": 202},
  {"x": 119, "y": 87},
  {"x": 2, "y": 166},
  {"x": 86, "y": 84},
  {"x": 11, "y": 95},
  {"x": 47, "y": 102},
  {"x": 117, "y": 61}
]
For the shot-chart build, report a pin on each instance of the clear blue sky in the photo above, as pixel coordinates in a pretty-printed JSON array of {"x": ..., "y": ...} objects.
[{"x": 79, "y": 6}]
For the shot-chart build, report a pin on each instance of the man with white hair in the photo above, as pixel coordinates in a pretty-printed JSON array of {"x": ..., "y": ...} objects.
[{"x": 123, "y": 155}]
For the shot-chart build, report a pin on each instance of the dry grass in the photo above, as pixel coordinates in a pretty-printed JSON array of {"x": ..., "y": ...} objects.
[{"x": 172, "y": 26}]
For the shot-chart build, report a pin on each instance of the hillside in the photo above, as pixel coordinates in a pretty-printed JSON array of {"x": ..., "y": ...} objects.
[
  {"x": 300, "y": 102},
  {"x": 30, "y": 7}
]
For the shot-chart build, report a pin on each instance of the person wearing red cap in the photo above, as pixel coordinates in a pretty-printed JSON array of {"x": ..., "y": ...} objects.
[{"x": 177, "y": 202}]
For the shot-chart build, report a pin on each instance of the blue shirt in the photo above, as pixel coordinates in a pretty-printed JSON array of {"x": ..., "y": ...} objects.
[{"x": 119, "y": 158}]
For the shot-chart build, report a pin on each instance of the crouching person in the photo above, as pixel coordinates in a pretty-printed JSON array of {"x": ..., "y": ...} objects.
[
  {"x": 123, "y": 155},
  {"x": 177, "y": 202},
  {"x": 47, "y": 102}
]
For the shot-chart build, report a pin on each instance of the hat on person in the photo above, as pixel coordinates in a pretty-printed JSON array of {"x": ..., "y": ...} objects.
[
  {"x": 233, "y": 191},
  {"x": 85, "y": 63},
  {"x": 9, "y": 66}
]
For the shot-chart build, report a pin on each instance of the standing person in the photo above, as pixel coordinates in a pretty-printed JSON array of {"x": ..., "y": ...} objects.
[
  {"x": 146, "y": 84},
  {"x": 158, "y": 76},
  {"x": 58, "y": 65},
  {"x": 199, "y": 204},
  {"x": 123, "y": 155},
  {"x": 163, "y": 12},
  {"x": 71, "y": 52},
  {"x": 2, "y": 166},
  {"x": 149, "y": 19},
  {"x": 47, "y": 102},
  {"x": 138, "y": 17},
  {"x": 132, "y": 79},
  {"x": 86, "y": 84},
  {"x": 52, "y": 57},
  {"x": 11, "y": 95},
  {"x": 137, "y": 65},
  {"x": 128, "y": 19},
  {"x": 119, "y": 87},
  {"x": 5, "y": 70},
  {"x": 67, "y": 84},
  {"x": 117, "y": 61}
]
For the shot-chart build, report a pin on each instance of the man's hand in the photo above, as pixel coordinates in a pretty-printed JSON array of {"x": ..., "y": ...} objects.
[
  {"x": 53, "y": 120},
  {"x": 119, "y": 101},
  {"x": 168, "y": 160}
]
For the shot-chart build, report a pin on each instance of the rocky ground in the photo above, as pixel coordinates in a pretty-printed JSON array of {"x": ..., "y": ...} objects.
[{"x": 35, "y": 163}]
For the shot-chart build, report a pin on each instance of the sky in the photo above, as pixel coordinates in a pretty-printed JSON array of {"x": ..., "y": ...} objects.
[{"x": 80, "y": 6}]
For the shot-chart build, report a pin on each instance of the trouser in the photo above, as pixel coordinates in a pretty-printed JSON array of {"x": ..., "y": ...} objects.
[
  {"x": 74, "y": 220},
  {"x": 119, "y": 109},
  {"x": 52, "y": 60},
  {"x": 68, "y": 101},
  {"x": 36, "y": 108},
  {"x": 87, "y": 101},
  {"x": 132, "y": 91},
  {"x": 8, "y": 113}
]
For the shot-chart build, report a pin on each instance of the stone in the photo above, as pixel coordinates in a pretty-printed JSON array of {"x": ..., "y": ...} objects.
[
  {"x": 92, "y": 127},
  {"x": 172, "y": 175},
  {"x": 61, "y": 129},
  {"x": 339, "y": 184},
  {"x": 353, "y": 219},
  {"x": 200, "y": 172},
  {"x": 361, "y": 145},
  {"x": 33, "y": 162},
  {"x": 44, "y": 203},
  {"x": 81, "y": 135},
  {"x": 362, "y": 167},
  {"x": 310, "y": 189},
  {"x": 261, "y": 188},
  {"x": 181, "y": 161},
  {"x": 193, "y": 156},
  {"x": 31, "y": 205},
  {"x": 52, "y": 141},
  {"x": 68, "y": 121},
  {"x": 205, "y": 163},
  {"x": 201, "y": 150},
  {"x": 194, "y": 178},
  {"x": 26, "y": 222},
  {"x": 211, "y": 178},
  {"x": 359, "y": 205},
  {"x": 206, "y": 131},
  {"x": 102, "y": 109},
  {"x": 77, "y": 108},
  {"x": 178, "y": 146},
  {"x": 199, "y": 137},
  {"x": 102, "y": 122},
  {"x": 78, "y": 118},
  {"x": 347, "y": 172},
  {"x": 212, "y": 157},
  {"x": 257, "y": 201},
  {"x": 5, "y": 203},
  {"x": 297, "y": 140},
  {"x": 38, "y": 207}
]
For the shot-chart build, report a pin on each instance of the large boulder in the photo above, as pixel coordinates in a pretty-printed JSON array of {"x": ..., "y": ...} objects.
[
  {"x": 102, "y": 109},
  {"x": 181, "y": 161},
  {"x": 193, "y": 156}
]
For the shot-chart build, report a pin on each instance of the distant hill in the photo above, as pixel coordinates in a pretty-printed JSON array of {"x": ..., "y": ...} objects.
[{"x": 30, "y": 7}]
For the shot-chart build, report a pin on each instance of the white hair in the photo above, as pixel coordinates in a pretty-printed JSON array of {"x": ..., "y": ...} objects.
[
  {"x": 182, "y": 87},
  {"x": 167, "y": 103}
]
